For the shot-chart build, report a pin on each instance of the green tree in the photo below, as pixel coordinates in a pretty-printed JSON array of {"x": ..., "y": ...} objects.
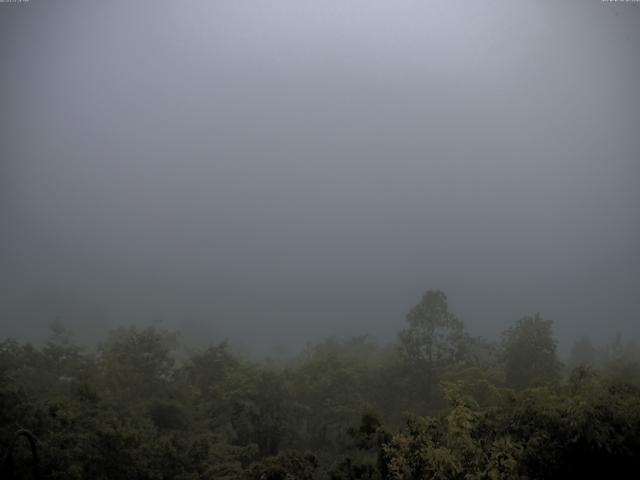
[
  {"x": 434, "y": 339},
  {"x": 287, "y": 465},
  {"x": 529, "y": 352},
  {"x": 332, "y": 386},
  {"x": 138, "y": 364}
]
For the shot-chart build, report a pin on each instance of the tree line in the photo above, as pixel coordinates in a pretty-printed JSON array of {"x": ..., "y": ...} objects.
[{"x": 436, "y": 403}]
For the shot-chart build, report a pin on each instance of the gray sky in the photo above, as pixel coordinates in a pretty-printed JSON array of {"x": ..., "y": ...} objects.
[{"x": 279, "y": 171}]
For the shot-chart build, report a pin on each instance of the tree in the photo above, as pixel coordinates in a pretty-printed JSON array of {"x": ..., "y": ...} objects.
[
  {"x": 286, "y": 465},
  {"x": 434, "y": 339},
  {"x": 529, "y": 352},
  {"x": 138, "y": 363},
  {"x": 210, "y": 371}
]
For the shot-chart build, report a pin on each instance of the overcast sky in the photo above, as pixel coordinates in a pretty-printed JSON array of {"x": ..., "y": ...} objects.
[{"x": 280, "y": 171}]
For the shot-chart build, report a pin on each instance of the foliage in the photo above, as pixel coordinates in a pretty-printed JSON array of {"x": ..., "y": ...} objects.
[
  {"x": 436, "y": 404},
  {"x": 434, "y": 340},
  {"x": 529, "y": 353}
]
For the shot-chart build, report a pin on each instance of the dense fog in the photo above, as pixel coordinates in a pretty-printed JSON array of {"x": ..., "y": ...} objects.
[
  {"x": 277, "y": 172},
  {"x": 319, "y": 239}
]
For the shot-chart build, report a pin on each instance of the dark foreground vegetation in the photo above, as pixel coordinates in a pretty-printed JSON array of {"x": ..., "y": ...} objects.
[{"x": 437, "y": 403}]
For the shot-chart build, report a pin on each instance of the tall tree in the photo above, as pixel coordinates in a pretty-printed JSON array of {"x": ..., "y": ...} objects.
[
  {"x": 529, "y": 352},
  {"x": 138, "y": 363},
  {"x": 434, "y": 338}
]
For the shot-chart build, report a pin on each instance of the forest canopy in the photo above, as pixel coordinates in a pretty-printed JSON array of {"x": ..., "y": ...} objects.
[{"x": 435, "y": 403}]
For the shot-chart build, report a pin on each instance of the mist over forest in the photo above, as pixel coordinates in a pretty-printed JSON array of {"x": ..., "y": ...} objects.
[{"x": 249, "y": 234}]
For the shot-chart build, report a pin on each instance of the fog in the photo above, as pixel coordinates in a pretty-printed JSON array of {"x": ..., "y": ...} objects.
[{"x": 275, "y": 172}]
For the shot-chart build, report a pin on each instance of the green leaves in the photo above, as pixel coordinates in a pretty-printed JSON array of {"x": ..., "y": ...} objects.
[
  {"x": 134, "y": 410},
  {"x": 434, "y": 335},
  {"x": 529, "y": 353},
  {"x": 137, "y": 363}
]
